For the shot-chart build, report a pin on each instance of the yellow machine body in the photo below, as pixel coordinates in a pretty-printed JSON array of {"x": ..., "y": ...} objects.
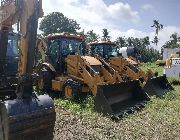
[
  {"x": 25, "y": 115},
  {"x": 152, "y": 84},
  {"x": 76, "y": 73}
]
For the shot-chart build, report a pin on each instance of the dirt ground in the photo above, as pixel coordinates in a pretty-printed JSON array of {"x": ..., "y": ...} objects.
[{"x": 161, "y": 124}]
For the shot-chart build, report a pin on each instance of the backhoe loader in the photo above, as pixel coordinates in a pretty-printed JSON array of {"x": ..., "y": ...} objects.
[
  {"x": 23, "y": 114},
  {"x": 107, "y": 51},
  {"x": 66, "y": 69}
]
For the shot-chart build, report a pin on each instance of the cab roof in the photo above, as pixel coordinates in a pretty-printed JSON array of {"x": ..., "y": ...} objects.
[
  {"x": 102, "y": 42},
  {"x": 65, "y": 35}
]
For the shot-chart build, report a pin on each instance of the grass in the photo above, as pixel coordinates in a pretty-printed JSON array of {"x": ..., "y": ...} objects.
[
  {"x": 84, "y": 105},
  {"x": 153, "y": 67},
  {"x": 160, "y": 119}
]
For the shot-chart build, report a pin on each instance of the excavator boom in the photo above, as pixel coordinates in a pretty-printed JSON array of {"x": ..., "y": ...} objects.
[{"x": 27, "y": 115}]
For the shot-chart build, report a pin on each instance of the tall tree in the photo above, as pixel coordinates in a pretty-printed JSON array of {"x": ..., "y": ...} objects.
[
  {"x": 91, "y": 36},
  {"x": 130, "y": 41},
  {"x": 143, "y": 46},
  {"x": 157, "y": 27},
  {"x": 121, "y": 41},
  {"x": 56, "y": 22},
  {"x": 106, "y": 34},
  {"x": 174, "y": 42},
  {"x": 156, "y": 40},
  {"x": 175, "y": 38},
  {"x": 146, "y": 41}
]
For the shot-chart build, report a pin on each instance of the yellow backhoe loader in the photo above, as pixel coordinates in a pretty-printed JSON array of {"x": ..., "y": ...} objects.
[
  {"x": 66, "y": 69},
  {"x": 151, "y": 83},
  {"x": 23, "y": 114}
]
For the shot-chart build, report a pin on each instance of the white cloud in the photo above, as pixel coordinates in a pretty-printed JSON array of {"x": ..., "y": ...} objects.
[
  {"x": 95, "y": 15},
  {"x": 123, "y": 11},
  {"x": 94, "y": 12},
  {"x": 165, "y": 34},
  {"x": 147, "y": 7}
]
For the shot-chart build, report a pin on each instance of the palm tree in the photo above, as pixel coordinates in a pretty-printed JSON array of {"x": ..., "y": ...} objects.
[
  {"x": 157, "y": 26},
  {"x": 174, "y": 38},
  {"x": 106, "y": 34},
  {"x": 156, "y": 40},
  {"x": 130, "y": 41},
  {"x": 91, "y": 36},
  {"x": 145, "y": 41},
  {"x": 121, "y": 41}
]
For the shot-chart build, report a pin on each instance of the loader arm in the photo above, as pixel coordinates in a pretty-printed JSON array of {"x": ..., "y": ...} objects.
[
  {"x": 110, "y": 73},
  {"x": 123, "y": 66},
  {"x": 149, "y": 81},
  {"x": 115, "y": 63},
  {"x": 78, "y": 66}
]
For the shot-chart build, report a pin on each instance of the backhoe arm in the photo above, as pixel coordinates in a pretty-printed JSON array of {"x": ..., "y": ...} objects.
[
  {"x": 109, "y": 72},
  {"x": 27, "y": 115},
  {"x": 28, "y": 28},
  {"x": 26, "y": 14}
]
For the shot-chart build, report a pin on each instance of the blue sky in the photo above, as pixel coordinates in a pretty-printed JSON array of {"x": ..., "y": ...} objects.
[
  {"x": 121, "y": 17},
  {"x": 166, "y": 11}
]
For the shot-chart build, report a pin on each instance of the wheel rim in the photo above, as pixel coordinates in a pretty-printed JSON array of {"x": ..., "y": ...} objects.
[{"x": 68, "y": 92}]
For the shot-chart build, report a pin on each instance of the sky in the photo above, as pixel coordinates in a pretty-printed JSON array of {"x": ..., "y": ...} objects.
[{"x": 129, "y": 18}]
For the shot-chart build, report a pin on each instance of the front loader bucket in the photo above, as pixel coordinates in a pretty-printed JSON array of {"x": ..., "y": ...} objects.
[
  {"x": 119, "y": 98},
  {"x": 158, "y": 86},
  {"x": 28, "y": 119}
]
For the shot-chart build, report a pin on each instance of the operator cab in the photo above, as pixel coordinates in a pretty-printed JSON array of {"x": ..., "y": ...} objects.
[
  {"x": 105, "y": 49},
  {"x": 60, "y": 46}
]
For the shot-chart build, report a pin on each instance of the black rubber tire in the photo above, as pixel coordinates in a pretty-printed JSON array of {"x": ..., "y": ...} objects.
[{"x": 75, "y": 86}]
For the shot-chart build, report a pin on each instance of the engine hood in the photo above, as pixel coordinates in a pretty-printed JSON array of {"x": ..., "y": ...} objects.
[{"x": 91, "y": 60}]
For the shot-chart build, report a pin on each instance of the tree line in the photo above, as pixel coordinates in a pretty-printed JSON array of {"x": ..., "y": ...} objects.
[{"x": 56, "y": 22}]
